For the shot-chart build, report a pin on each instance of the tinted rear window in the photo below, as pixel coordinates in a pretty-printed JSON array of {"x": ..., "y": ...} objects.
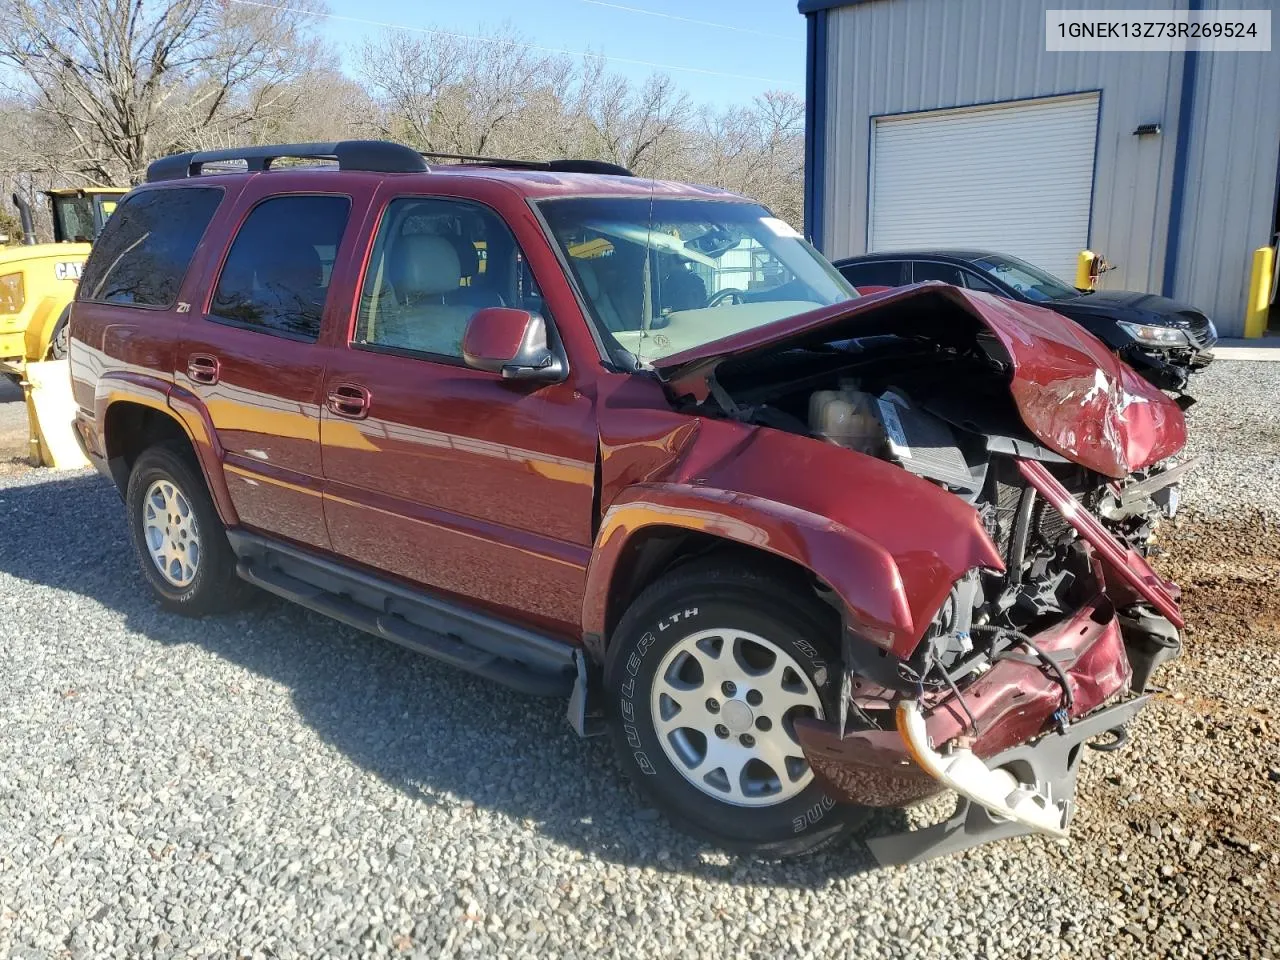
[
  {"x": 277, "y": 274},
  {"x": 932, "y": 270},
  {"x": 876, "y": 273},
  {"x": 145, "y": 248}
]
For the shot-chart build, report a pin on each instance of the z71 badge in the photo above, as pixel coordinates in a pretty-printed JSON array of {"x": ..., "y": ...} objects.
[{"x": 68, "y": 269}]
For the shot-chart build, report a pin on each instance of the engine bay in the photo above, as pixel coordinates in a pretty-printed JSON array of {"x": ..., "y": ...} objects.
[{"x": 945, "y": 414}]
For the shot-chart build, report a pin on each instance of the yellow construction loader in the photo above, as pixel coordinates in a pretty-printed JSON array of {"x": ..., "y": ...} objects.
[
  {"x": 37, "y": 284},
  {"x": 38, "y": 280}
]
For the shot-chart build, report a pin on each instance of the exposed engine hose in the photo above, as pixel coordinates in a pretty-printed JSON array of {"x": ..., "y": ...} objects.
[{"x": 1068, "y": 701}]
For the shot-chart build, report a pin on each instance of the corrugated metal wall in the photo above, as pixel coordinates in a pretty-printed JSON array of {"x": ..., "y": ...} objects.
[
  {"x": 899, "y": 56},
  {"x": 1233, "y": 155}
]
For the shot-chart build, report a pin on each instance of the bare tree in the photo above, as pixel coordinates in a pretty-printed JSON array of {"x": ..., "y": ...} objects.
[
  {"x": 122, "y": 81},
  {"x": 453, "y": 94}
]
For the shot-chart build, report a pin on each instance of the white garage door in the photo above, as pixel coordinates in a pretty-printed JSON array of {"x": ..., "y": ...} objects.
[{"x": 1016, "y": 178}]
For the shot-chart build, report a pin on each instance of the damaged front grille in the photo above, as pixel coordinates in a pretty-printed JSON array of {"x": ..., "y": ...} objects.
[{"x": 1198, "y": 328}]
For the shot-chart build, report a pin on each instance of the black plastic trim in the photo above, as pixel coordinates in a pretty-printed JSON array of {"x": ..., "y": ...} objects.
[{"x": 518, "y": 658}]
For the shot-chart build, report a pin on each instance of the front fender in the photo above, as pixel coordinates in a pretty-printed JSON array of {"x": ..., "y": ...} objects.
[
  {"x": 40, "y": 330},
  {"x": 861, "y": 573},
  {"x": 888, "y": 543}
]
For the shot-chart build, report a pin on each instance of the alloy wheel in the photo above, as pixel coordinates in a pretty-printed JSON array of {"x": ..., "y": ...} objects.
[
  {"x": 173, "y": 539},
  {"x": 724, "y": 704}
]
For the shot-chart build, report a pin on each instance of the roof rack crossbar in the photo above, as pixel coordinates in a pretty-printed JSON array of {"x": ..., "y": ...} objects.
[
  {"x": 556, "y": 166},
  {"x": 377, "y": 156}
]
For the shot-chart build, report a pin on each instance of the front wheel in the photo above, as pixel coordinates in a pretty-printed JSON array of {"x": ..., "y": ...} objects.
[{"x": 707, "y": 673}]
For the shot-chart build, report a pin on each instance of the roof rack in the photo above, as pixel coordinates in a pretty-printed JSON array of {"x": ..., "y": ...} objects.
[
  {"x": 556, "y": 166},
  {"x": 377, "y": 156}
]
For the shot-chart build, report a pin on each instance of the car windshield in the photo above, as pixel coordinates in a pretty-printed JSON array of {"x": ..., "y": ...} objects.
[
  {"x": 1032, "y": 282},
  {"x": 662, "y": 275}
]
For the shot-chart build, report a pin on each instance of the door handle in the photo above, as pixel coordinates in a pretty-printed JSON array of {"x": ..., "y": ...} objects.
[
  {"x": 349, "y": 400},
  {"x": 203, "y": 368}
]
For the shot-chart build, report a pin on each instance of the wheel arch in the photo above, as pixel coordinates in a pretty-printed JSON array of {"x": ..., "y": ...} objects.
[
  {"x": 133, "y": 420},
  {"x": 654, "y": 528}
]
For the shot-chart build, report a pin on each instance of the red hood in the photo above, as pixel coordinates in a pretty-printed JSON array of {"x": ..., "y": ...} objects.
[{"x": 1074, "y": 395}]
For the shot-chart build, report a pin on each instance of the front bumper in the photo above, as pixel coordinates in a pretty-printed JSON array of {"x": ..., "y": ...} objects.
[
  {"x": 1005, "y": 743},
  {"x": 1168, "y": 369},
  {"x": 1013, "y": 703}
]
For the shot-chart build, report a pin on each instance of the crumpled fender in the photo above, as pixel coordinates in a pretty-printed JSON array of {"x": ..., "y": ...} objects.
[{"x": 889, "y": 544}]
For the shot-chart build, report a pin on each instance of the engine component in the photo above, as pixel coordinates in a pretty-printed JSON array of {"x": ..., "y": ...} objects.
[
  {"x": 847, "y": 416},
  {"x": 925, "y": 445}
]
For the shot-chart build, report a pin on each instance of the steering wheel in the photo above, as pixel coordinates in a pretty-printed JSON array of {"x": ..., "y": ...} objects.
[{"x": 732, "y": 294}]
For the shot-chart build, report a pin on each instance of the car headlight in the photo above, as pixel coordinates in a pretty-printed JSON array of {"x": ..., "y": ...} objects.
[
  {"x": 12, "y": 294},
  {"x": 1156, "y": 336}
]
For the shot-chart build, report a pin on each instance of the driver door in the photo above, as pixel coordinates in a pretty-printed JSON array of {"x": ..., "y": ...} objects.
[{"x": 455, "y": 479}]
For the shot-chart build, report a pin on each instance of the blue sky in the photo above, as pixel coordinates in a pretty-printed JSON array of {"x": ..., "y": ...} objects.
[{"x": 741, "y": 47}]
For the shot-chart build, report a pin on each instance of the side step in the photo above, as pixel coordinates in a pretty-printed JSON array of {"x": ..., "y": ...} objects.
[{"x": 517, "y": 658}]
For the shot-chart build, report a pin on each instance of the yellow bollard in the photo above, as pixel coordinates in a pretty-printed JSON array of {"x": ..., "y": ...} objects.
[
  {"x": 1084, "y": 270},
  {"x": 1259, "y": 303}
]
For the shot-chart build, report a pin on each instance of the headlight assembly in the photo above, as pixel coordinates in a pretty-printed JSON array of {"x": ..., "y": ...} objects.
[{"x": 1156, "y": 336}]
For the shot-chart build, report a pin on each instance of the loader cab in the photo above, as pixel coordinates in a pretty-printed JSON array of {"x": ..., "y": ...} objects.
[{"x": 79, "y": 214}]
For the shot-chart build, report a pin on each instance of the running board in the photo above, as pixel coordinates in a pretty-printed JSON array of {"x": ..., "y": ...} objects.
[{"x": 512, "y": 656}]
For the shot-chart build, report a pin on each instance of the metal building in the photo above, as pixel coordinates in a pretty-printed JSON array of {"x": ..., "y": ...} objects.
[{"x": 938, "y": 123}]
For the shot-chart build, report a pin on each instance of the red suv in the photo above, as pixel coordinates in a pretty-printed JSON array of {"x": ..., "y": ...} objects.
[{"x": 631, "y": 443}]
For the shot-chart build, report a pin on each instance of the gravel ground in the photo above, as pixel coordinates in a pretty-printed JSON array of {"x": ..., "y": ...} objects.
[{"x": 276, "y": 785}]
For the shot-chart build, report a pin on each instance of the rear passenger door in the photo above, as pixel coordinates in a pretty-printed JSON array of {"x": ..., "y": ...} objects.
[{"x": 250, "y": 355}]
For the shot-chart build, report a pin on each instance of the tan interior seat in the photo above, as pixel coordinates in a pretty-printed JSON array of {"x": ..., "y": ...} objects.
[{"x": 424, "y": 272}]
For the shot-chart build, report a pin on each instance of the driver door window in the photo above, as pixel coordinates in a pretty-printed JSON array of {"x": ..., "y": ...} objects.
[{"x": 434, "y": 264}]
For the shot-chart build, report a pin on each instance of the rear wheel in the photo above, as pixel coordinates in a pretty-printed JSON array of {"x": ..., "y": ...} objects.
[
  {"x": 181, "y": 544},
  {"x": 707, "y": 674}
]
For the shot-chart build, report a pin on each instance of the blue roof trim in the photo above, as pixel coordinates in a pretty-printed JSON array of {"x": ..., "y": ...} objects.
[
  {"x": 815, "y": 127},
  {"x": 1177, "y": 195},
  {"x": 817, "y": 6}
]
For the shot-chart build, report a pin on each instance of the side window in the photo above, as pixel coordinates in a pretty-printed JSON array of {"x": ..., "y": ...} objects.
[
  {"x": 145, "y": 248},
  {"x": 434, "y": 264},
  {"x": 874, "y": 273},
  {"x": 922, "y": 270},
  {"x": 277, "y": 273},
  {"x": 974, "y": 281}
]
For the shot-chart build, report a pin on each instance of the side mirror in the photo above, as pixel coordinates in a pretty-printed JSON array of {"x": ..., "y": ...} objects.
[{"x": 513, "y": 343}]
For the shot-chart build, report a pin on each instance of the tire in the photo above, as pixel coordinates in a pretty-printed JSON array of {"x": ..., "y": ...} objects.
[
  {"x": 169, "y": 505},
  {"x": 60, "y": 342},
  {"x": 666, "y": 647}
]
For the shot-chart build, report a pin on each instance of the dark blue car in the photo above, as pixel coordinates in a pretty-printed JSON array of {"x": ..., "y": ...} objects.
[{"x": 1163, "y": 340}]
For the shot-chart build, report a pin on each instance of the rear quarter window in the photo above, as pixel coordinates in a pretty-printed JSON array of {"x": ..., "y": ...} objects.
[{"x": 146, "y": 246}]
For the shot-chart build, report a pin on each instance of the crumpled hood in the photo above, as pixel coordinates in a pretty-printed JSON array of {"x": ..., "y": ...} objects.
[{"x": 1072, "y": 393}]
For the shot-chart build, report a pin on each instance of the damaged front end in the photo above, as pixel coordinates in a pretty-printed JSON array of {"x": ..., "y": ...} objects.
[{"x": 1059, "y": 449}]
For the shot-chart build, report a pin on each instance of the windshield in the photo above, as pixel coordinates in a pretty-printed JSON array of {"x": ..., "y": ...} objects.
[
  {"x": 660, "y": 276},
  {"x": 1032, "y": 282}
]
